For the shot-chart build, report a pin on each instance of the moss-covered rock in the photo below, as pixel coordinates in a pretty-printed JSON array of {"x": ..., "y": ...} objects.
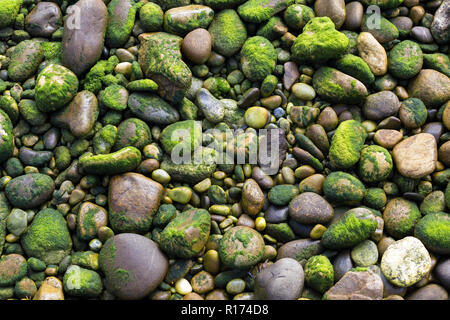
[
  {"x": 151, "y": 17},
  {"x": 405, "y": 59},
  {"x": 183, "y": 20},
  {"x": 80, "y": 282},
  {"x": 8, "y": 12},
  {"x": 193, "y": 170},
  {"x": 161, "y": 60},
  {"x": 319, "y": 42},
  {"x": 297, "y": 16},
  {"x": 413, "y": 113},
  {"x": 433, "y": 202},
  {"x": 132, "y": 132},
  {"x": 115, "y": 97},
  {"x": 29, "y": 190},
  {"x": 319, "y": 273},
  {"x": 258, "y": 58},
  {"x": 258, "y": 11},
  {"x": 342, "y": 187},
  {"x": 186, "y": 235},
  {"x": 354, "y": 227},
  {"x": 384, "y": 32},
  {"x": 47, "y": 238},
  {"x": 281, "y": 195},
  {"x": 25, "y": 60},
  {"x": 400, "y": 216},
  {"x": 437, "y": 61},
  {"x": 282, "y": 232},
  {"x": 122, "y": 15},
  {"x": 90, "y": 219},
  {"x": 151, "y": 108},
  {"x": 384, "y": 4},
  {"x": 356, "y": 67},
  {"x": 13, "y": 267},
  {"x": 241, "y": 248},
  {"x": 346, "y": 144},
  {"x": 7, "y": 137},
  {"x": 375, "y": 164},
  {"x": 333, "y": 85},
  {"x": 434, "y": 232},
  {"x": 375, "y": 198},
  {"x": 123, "y": 160},
  {"x": 104, "y": 139},
  {"x": 223, "y": 4},
  {"x": 185, "y": 135},
  {"x": 55, "y": 87}
]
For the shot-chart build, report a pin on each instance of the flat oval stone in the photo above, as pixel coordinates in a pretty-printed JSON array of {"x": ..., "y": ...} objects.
[
  {"x": 440, "y": 27},
  {"x": 197, "y": 45},
  {"x": 430, "y": 86},
  {"x": 381, "y": 105},
  {"x": 310, "y": 208},
  {"x": 182, "y": 20},
  {"x": 133, "y": 266},
  {"x": 405, "y": 262},
  {"x": 83, "y": 44},
  {"x": 80, "y": 115},
  {"x": 416, "y": 156},
  {"x": 357, "y": 285},
  {"x": 127, "y": 214},
  {"x": 43, "y": 20},
  {"x": 429, "y": 292},
  {"x": 354, "y": 15},
  {"x": 373, "y": 53},
  {"x": 282, "y": 280},
  {"x": 151, "y": 108},
  {"x": 334, "y": 9},
  {"x": 25, "y": 60},
  {"x": 30, "y": 190}
]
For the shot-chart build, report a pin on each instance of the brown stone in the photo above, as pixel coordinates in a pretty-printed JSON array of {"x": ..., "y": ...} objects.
[
  {"x": 133, "y": 200},
  {"x": 430, "y": 86},
  {"x": 362, "y": 285},
  {"x": 50, "y": 289},
  {"x": 334, "y": 9},
  {"x": 43, "y": 20},
  {"x": 252, "y": 197},
  {"x": 387, "y": 138},
  {"x": 83, "y": 44},
  {"x": 197, "y": 45},
  {"x": 416, "y": 156}
]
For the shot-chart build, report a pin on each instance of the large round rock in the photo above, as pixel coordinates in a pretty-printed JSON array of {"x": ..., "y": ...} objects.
[
  {"x": 133, "y": 266},
  {"x": 241, "y": 248},
  {"x": 282, "y": 280},
  {"x": 30, "y": 190},
  {"x": 310, "y": 208},
  {"x": 405, "y": 262}
]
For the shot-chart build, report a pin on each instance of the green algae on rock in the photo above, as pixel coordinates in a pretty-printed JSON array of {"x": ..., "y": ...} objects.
[
  {"x": 342, "y": 187},
  {"x": 81, "y": 282},
  {"x": 356, "y": 226},
  {"x": 258, "y": 58},
  {"x": 55, "y": 87},
  {"x": 29, "y": 190},
  {"x": 375, "y": 164},
  {"x": 346, "y": 144},
  {"x": 356, "y": 67},
  {"x": 405, "y": 59},
  {"x": 151, "y": 108},
  {"x": 186, "y": 234},
  {"x": 8, "y": 11},
  {"x": 7, "y": 137},
  {"x": 123, "y": 160},
  {"x": 47, "y": 238},
  {"x": 400, "y": 217},
  {"x": 434, "y": 231},
  {"x": 122, "y": 14},
  {"x": 334, "y": 85},
  {"x": 319, "y": 42},
  {"x": 132, "y": 132},
  {"x": 258, "y": 11},
  {"x": 319, "y": 273},
  {"x": 182, "y": 20},
  {"x": 25, "y": 60},
  {"x": 160, "y": 59},
  {"x": 241, "y": 248},
  {"x": 183, "y": 135}
]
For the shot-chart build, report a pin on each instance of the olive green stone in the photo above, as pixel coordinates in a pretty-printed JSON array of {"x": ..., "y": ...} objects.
[
  {"x": 319, "y": 273},
  {"x": 132, "y": 132},
  {"x": 365, "y": 254},
  {"x": 400, "y": 217},
  {"x": 186, "y": 235},
  {"x": 241, "y": 247},
  {"x": 17, "y": 222},
  {"x": 182, "y": 20},
  {"x": 48, "y": 237},
  {"x": 29, "y": 190},
  {"x": 434, "y": 230},
  {"x": 80, "y": 282}
]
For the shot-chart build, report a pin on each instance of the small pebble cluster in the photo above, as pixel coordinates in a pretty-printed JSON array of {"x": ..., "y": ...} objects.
[{"x": 353, "y": 203}]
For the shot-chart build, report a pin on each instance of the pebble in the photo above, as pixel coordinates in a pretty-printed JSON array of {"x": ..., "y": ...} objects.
[
  {"x": 405, "y": 262},
  {"x": 416, "y": 156},
  {"x": 365, "y": 254},
  {"x": 310, "y": 208},
  {"x": 132, "y": 254},
  {"x": 50, "y": 289},
  {"x": 372, "y": 53},
  {"x": 197, "y": 45},
  {"x": 357, "y": 285}
]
